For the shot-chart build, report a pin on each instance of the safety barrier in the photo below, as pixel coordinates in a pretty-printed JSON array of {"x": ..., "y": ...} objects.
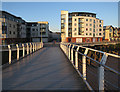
[
  {"x": 98, "y": 69},
  {"x": 29, "y": 48}
]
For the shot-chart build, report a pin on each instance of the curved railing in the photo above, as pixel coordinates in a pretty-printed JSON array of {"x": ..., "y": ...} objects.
[
  {"x": 14, "y": 52},
  {"x": 98, "y": 69}
]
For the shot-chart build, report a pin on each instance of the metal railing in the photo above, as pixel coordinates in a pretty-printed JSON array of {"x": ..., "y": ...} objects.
[
  {"x": 19, "y": 50},
  {"x": 98, "y": 69}
]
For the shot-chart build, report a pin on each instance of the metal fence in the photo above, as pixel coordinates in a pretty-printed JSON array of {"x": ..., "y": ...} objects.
[
  {"x": 98, "y": 69},
  {"x": 16, "y": 51}
]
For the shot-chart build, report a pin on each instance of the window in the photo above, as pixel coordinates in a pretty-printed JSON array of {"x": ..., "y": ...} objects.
[
  {"x": 10, "y": 25},
  {"x": 90, "y": 20},
  {"x": 100, "y": 21},
  {"x": 94, "y": 21},
  {"x": 86, "y": 19},
  {"x": 90, "y": 29},
  {"x": 86, "y": 24},
  {"x": 94, "y": 26},
  {"x": 75, "y": 24},
  {"x": 75, "y": 29},
  {"x": 86, "y": 33},
  {"x": 13, "y": 32},
  {"x": 93, "y": 35},
  {"x": 63, "y": 16},
  {"x": 99, "y": 33},
  {"x": 75, "y": 19},
  {"x": 90, "y": 33},
  {"x": 93, "y": 30},
  {"x": 33, "y": 29},
  {"x": 86, "y": 29},
  {"x": 99, "y": 29},
  {"x": 100, "y": 25},
  {"x": 13, "y": 26},
  {"x": 10, "y": 32},
  {"x": 90, "y": 24}
]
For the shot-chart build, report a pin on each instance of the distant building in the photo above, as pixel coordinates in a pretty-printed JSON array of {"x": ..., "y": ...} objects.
[
  {"x": 80, "y": 27},
  {"x": 13, "y": 28},
  {"x": 108, "y": 33},
  {"x": 54, "y": 36},
  {"x": 37, "y": 30},
  {"x": 111, "y": 33}
]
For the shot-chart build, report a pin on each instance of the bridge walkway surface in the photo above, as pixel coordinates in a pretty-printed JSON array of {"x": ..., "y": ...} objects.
[{"x": 47, "y": 69}]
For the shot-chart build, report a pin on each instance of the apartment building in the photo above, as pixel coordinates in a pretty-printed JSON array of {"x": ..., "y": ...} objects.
[
  {"x": 13, "y": 29},
  {"x": 37, "y": 31},
  {"x": 80, "y": 27},
  {"x": 111, "y": 33}
]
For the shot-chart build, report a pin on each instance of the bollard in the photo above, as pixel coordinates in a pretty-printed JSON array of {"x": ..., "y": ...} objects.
[
  {"x": 23, "y": 49},
  {"x": 84, "y": 63},
  {"x": 101, "y": 71},
  {"x": 27, "y": 48},
  {"x": 17, "y": 51},
  {"x": 9, "y": 54},
  {"x": 76, "y": 58}
]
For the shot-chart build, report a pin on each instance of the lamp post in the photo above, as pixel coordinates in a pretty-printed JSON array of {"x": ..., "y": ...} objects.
[{"x": 41, "y": 35}]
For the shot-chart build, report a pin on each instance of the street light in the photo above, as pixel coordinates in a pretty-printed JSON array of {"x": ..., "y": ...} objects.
[{"x": 41, "y": 35}]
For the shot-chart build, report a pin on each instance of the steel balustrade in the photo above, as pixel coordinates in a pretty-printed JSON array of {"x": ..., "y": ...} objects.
[
  {"x": 101, "y": 68},
  {"x": 28, "y": 47}
]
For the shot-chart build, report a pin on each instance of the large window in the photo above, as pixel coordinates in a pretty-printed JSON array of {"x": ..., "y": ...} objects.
[{"x": 63, "y": 16}]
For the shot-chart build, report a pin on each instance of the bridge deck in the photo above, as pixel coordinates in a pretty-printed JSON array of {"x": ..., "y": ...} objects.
[{"x": 46, "y": 69}]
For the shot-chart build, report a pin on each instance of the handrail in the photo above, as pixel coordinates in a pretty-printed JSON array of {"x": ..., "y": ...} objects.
[
  {"x": 29, "y": 47},
  {"x": 69, "y": 48}
]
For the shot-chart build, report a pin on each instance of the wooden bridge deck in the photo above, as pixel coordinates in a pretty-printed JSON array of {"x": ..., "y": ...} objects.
[{"x": 46, "y": 69}]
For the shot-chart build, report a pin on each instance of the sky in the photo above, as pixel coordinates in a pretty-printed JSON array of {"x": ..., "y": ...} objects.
[{"x": 50, "y": 11}]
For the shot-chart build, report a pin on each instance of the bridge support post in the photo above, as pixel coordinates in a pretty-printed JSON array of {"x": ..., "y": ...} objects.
[
  {"x": 27, "y": 48},
  {"x": 72, "y": 53},
  {"x": 84, "y": 63},
  {"x": 23, "y": 50},
  {"x": 101, "y": 71},
  {"x": 76, "y": 58},
  {"x": 17, "y": 51},
  {"x": 9, "y": 54}
]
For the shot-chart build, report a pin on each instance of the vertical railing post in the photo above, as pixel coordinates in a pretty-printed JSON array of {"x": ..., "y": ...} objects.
[
  {"x": 76, "y": 58},
  {"x": 9, "y": 54},
  {"x": 30, "y": 48},
  {"x": 69, "y": 50},
  {"x": 101, "y": 71},
  {"x": 84, "y": 63},
  {"x": 27, "y": 48},
  {"x": 23, "y": 49},
  {"x": 17, "y": 51},
  {"x": 33, "y": 47},
  {"x": 72, "y": 53}
]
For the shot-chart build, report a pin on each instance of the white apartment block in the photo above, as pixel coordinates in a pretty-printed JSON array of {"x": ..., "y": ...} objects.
[{"x": 80, "y": 27}]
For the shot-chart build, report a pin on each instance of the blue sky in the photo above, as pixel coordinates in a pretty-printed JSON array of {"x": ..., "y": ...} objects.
[{"x": 50, "y": 11}]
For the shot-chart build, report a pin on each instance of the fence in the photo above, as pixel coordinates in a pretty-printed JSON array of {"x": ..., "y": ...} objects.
[
  {"x": 16, "y": 51},
  {"x": 98, "y": 69}
]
